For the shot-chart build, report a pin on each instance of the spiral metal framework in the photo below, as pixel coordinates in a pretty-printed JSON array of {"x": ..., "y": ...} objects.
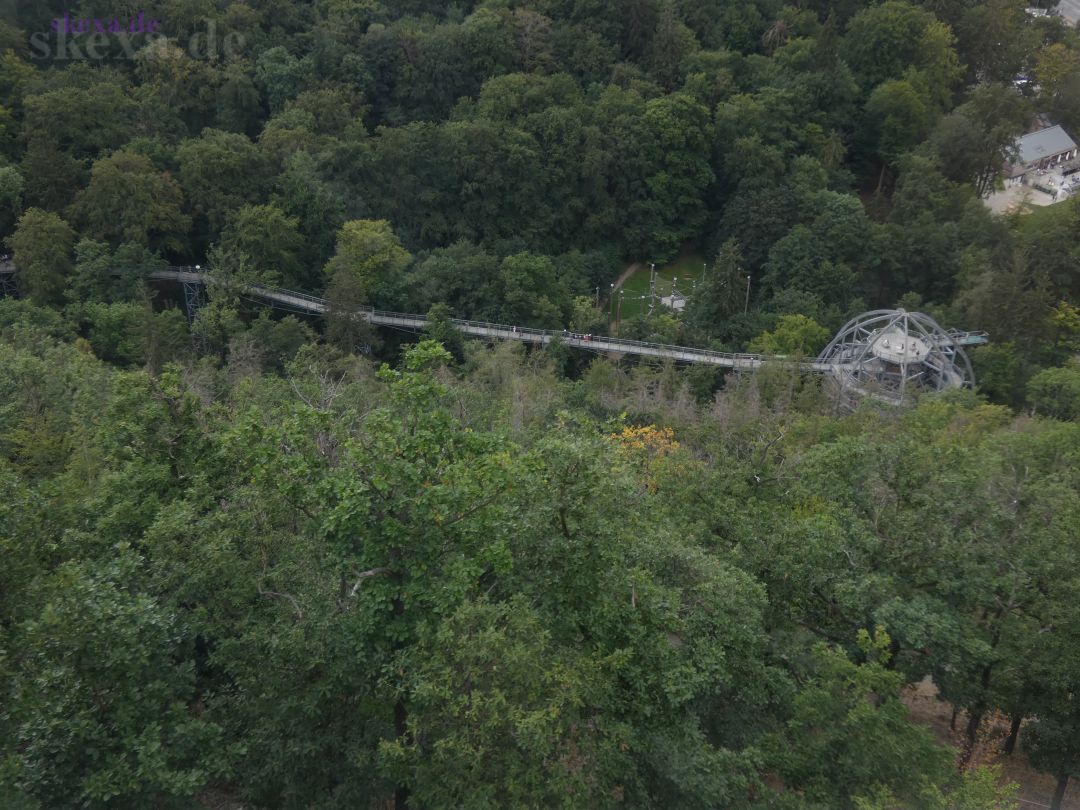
[{"x": 893, "y": 356}]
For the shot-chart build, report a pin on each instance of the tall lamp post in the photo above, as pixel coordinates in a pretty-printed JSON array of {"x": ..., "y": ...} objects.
[
  {"x": 746, "y": 308},
  {"x": 652, "y": 287}
]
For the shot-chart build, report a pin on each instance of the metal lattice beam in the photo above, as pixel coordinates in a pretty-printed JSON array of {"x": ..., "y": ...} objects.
[{"x": 893, "y": 356}]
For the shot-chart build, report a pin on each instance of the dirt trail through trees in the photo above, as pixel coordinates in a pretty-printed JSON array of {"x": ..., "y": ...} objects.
[{"x": 629, "y": 271}]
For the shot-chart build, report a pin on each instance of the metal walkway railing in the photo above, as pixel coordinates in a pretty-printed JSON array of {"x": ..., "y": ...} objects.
[
  {"x": 402, "y": 320},
  {"x": 302, "y": 302}
]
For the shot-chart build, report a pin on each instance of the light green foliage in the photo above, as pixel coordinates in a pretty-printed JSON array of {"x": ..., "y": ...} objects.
[
  {"x": 347, "y": 585},
  {"x": 1056, "y": 391},
  {"x": 371, "y": 255},
  {"x": 795, "y": 335}
]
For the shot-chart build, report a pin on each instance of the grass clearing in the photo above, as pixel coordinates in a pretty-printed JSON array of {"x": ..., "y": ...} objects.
[{"x": 687, "y": 269}]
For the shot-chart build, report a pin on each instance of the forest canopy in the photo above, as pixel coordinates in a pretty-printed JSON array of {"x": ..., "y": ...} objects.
[{"x": 258, "y": 559}]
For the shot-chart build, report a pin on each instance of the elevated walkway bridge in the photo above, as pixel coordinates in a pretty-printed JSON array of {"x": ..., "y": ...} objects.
[{"x": 309, "y": 304}]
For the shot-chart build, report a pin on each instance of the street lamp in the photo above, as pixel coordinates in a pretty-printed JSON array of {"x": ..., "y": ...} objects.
[{"x": 747, "y": 307}]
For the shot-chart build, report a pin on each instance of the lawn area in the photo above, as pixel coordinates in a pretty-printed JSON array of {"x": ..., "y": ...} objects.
[{"x": 687, "y": 269}]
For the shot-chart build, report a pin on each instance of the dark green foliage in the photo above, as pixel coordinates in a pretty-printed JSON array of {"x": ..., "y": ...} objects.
[{"x": 236, "y": 557}]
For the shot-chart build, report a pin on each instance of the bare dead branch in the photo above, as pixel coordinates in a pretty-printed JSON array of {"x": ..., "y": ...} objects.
[
  {"x": 276, "y": 595},
  {"x": 768, "y": 446},
  {"x": 473, "y": 510},
  {"x": 374, "y": 572}
]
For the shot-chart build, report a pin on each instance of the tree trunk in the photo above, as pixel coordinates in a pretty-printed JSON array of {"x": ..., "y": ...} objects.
[
  {"x": 952, "y": 720},
  {"x": 971, "y": 733},
  {"x": 1014, "y": 730},
  {"x": 974, "y": 721},
  {"x": 1059, "y": 792},
  {"x": 894, "y": 654}
]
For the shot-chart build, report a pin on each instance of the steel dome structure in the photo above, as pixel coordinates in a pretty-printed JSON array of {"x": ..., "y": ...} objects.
[{"x": 893, "y": 356}]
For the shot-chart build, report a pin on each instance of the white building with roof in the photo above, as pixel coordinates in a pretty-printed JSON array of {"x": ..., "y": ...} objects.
[{"x": 1038, "y": 151}]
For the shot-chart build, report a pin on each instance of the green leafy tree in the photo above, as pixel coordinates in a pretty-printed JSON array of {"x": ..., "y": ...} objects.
[
  {"x": 102, "y": 120},
  {"x": 681, "y": 173},
  {"x": 104, "y": 276},
  {"x": 270, "y": 240},
  {"x": 463, "y": 276},
  {"x": 849, "y": 733},
  {"x": 996, "y": 41},
  {"x": 1056, "y": 392},
  {"x": 41, "y": 247},
  {"x": 671, "y": 43},
  {"x": 532, "y": 293},
  {"x": 440, "y": 328},
  {"x": 281, "y": 75},
  {"x": 128, "y": 200},
  {"x": 95, "y": 706},
  {"x": 370, "y": 253},
  {"x": 801, "y": 261},
  {"x": 977, "y": 138},
  {"x": 795, "y": 335},
  {"x": 11, "y": 198},
  {"x": 302, "y": 194},
  {"x": 722, "y": 291},
  {"x": 48, "y": 172},
  {"x": 882, "y": 42},
  {"x": 219, "y": 172},
  {"x": 901, "y": 118}
]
